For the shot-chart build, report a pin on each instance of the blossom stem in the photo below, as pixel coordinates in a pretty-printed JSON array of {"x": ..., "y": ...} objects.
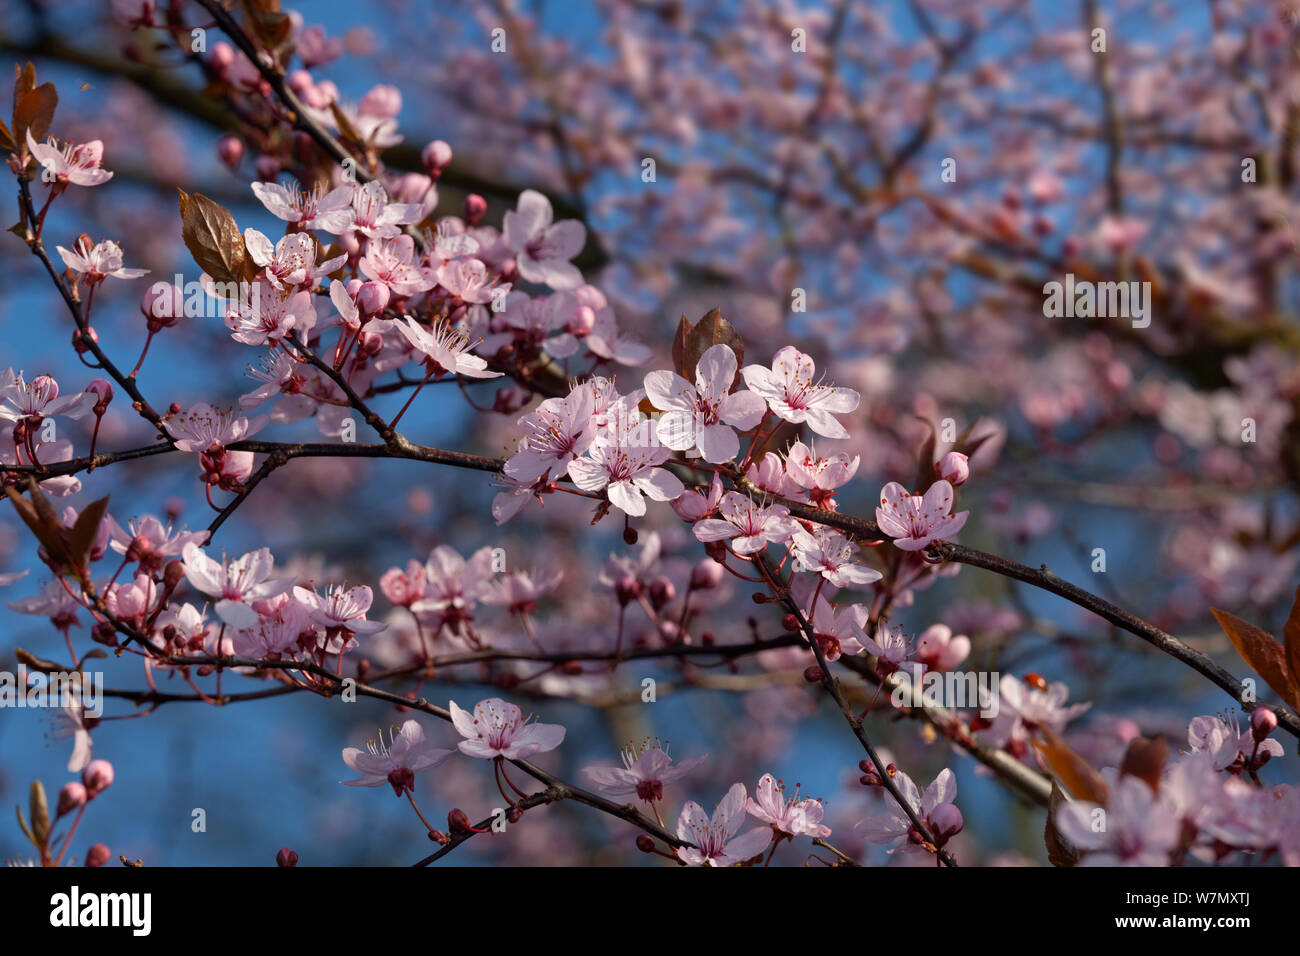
[
  {"x": 67, "y": 840},
  {"x": 143, "y": 352},
  {"x": 428, "y": 375},
  {"x": 410, "y": 796}
]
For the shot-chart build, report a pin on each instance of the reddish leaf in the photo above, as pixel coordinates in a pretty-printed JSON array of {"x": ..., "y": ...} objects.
[
  {"x": 1080, "y": 777},
  {"x": 1059, "y": 850},
  {"x": 711, "y": 330},
  {"x": 33, "y": 105},
  {"x": 214, "y": 239},
  {"x": 1144, "y": 759},
  {"x": 1261, "y": 651},
  {"x": 925, "y": 475},
  {"x": 37, "y": 514},
  {"x": 1291, "y": 638},
  {"x": 679, "y": 345},
  {"x": 82, "y": 538}
]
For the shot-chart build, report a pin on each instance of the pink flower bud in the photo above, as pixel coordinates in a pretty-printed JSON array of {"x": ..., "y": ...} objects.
[
  {"x": 268, "y": 167},
  {"x": 627, "y": 589},
  {"x": 583, "y": 321},
  {"x": 953, "y": 468},
  {"x": 1263, "y": 721},
  {"x": 435, "y": 156},
  {"x": 383, "y": 101},
  {"x": 372, "y": 298},
  {"x": 945, "y": 821},
  {"x": 230, "y": 150},
  {"x": 475, "y": 207},
  {"x": 510, "y": 399},
  {"x": 103, "y": 391},
  {"x": 77, "y": 342},
  {"x": 73, "y": 796},
  {"x": 98, "y": 777},
  {"x": 286, "y": 857},
  {"x": 706, "y": 575},
  {"x": 661, "y": 592},
  {"x": 162, "y": 305},
  {"x": 97, "y": 855},
  {"x": 223, "y": 55}
]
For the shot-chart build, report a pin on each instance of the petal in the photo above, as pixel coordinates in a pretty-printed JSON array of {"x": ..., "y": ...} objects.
[
  {"x": 717, "y": 443},
  {"x": 743, "y": 409},
  {"x": 716, "y": 370}
]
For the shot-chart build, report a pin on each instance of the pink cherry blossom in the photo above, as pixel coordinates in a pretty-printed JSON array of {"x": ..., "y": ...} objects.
[
  {"x": 794, "y": 817},
  {"x": 372, "y": 214},
  {"x": 404, "y": 588},
  {"x": 938, "y": 649},
  {"x": 792, "y": 394},
  {"x": 39, "y": 400},
  {"x": 893, "y": 828},
  {"x": 829, "y": 553},
  {"x": 203, "y": 428},
  {"x": 1138, "y": 830},
  {"x": 446, "y": 349},
  {"x": 395, "y": 763},
  {"x": 557, "y": 431},
  {"x": 318, "y": 208},
  {"x": 697, "y": 416},
  {"x": 750, "y": 526},
  {"x": 340, "y": 608},
  {"x": 716, "y": 843},
  {"x": 264, "y": 314},
  {"x": 1022, "y": 709},
  {"x": 914, "y": 521},
  {"x": 454, "y": 586},
  {"x": 79, "y": 165},
  {"x": 1222, "y": 738},
  {"x": 291, "y": 261},
  {"x": 543, "y": 249},
  {"x": 498, "y": 729},
  {"x": 645, "y": 772},
  {"x": 818, "y": 476},
  {"x": 623, "y": 462},
  {"x": 98, "y": 262},
  {"x": 236, "y": 584}
]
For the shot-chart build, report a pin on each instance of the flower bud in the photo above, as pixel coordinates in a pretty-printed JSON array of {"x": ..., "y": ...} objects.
[
  {"x": 706, "y": 575},
  {"x": 73, "y": 796},
  {"x": 627, "y": 589},
  {"x": 98, "y": 777},
  {"x": 953, "y": 468},
  {"x": 945, "y": 821},
  {"x": 1263, "y": 721},
  {"x": 230, "y": 150},
  {"x": 475, "y": 208},
  {"x": 162, "y": 305},
  {"x": 104, "y": 392},
  {"x": 661, "y": 592},
  {"x": 268, "y": 167},
  {"x": 812, "y": 674},
  {"x": 435, "y": 156},
  {"x": 79, "y": 343},
  {"x": 645, "y": 843},
  {"x": 223, "y": 55},
  {"x": 372, "y": 298},
  {"x": 383, "y": 101},
  {"x": 97, "y": 855},
  {"x": 286, "y": 857},
  {"x": 514, "y": 815},
  {"x": 510, "y": 399}
]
